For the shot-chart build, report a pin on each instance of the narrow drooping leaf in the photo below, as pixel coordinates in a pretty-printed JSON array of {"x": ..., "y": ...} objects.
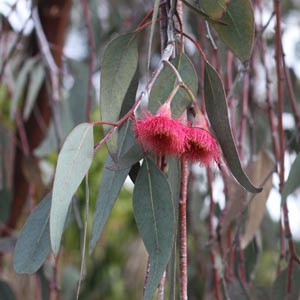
[
  {"x": 33, "y": 245},
  {"x": 118, "y": 68},
  {"x": 111, "y": 184},
  {"x": 259, "y": 170},
  {"x": 216, "y": 108},
  {"x": 73, "y": 163},
  {"x": 154, "y": 18},
  {"x": 37, "y": 76},
  {"x": 238, "y": 31},
  {"x": 20, "y": 85},
  {"x": 279, "y": 289},
  {"x": 166, "y": 82},
  {"x": 6, "y": 292},
  {"x": 155, "y": 218},
  {"x": 174, "y": 179},
  {"x": 215, "y": 8},
  {"x": 293, "y": 181}
]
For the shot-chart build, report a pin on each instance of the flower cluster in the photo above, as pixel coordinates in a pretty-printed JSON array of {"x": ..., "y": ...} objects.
[{"x": 162, "y": 135}]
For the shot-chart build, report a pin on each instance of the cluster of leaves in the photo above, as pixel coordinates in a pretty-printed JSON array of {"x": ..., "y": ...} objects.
[{"x": 156, "y": 194}]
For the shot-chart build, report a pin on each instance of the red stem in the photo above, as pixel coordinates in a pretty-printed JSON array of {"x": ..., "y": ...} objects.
[
  {"x": 280, "y": 78},
  {"x": 183, "y": 231}
]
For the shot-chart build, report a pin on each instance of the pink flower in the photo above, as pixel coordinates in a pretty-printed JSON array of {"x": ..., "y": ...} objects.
[
  {"x": 200, "y": 146},
  {"x": 160, "y": 134}
]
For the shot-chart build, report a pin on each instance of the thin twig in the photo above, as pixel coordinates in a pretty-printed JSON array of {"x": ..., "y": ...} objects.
[
  {"x": 45, "y": 49},
  {"x": 92, "y": 46}
]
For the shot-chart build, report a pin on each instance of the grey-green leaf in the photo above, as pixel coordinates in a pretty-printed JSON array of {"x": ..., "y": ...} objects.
[
  {"x": 33, "y": 245},
  {"x": 74, "y": 161},
  {"x": 119, "y": 64},
  {"x": 216, "y": 108},
  {"x": 155, "y": 218},
  {"x": 238, "y": 33},
  {"x": 293, "y": 181},
  {"x": 166, "y": 82},
  {"x": 111, "y": 184}
]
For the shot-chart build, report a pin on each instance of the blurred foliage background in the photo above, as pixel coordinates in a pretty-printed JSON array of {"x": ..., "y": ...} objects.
[{"x": 116, "y": 268}]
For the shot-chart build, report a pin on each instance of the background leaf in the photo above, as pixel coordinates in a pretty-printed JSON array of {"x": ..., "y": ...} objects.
[
  {"x": 238, "y": 33},
  {"x": 258, "y": 172},
  {"x": 6, "y": 293},
  {"x": 279, "y": 286},
  {"x": 216, "y": 108},
  {"x": 33, "y": 245},
  {"x": 166, "y": 82},
  {"x": 293, "y": 181},
  {"x": 37, "y": 76},
  {"x": 154, "y": 215},
  {"x": 73, "y": 163},
  {"x": 20, "y": 84},
  {"x": 111, "y": 184},
  {"x": 119, "y": 65}
]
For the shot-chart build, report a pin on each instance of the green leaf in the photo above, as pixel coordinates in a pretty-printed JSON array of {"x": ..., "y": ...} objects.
[
  {"x": 238, "y": 33},
  {"x": 215, "y": 8},
  {"x": 119, "y": 65},
  {"x": 33, "y": 245},
  {"x": 155, "y": 217},
  {"x": 74, "y": 161},
  {"x": 279, "y": 287},
  {"x": 166, "y": 82},
  {"x": 6, "y": 293},
  {"x": 293, "y": 181},
  {"x": 111, "y": 184},
  {"x": 37, "y": 76},
  {"x": 216, "y": 108}
]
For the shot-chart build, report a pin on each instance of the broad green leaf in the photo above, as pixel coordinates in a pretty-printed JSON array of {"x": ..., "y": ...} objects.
[
  {"x": 119, "y": 65},
  {"x": 215, "y": 8},
  {"x": 6, "y": 292},
  {"x": 238, "y": 33},
  {"x": 73, "y": 163},
  {"x": 33, "y": 245},
  {"x": 279, "y": 291},
  {"x": 195, "y": 6},
  {"x": 20, "y": 84},
  {"x": 111, "y": 184},
  {"x": 166, "y": 82},
  {"x": 293, "y": 181},
  {"x": 216, "y": 108},
  {"x": 37, "y": 76},
  {"x": 155, "y": 217}
]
